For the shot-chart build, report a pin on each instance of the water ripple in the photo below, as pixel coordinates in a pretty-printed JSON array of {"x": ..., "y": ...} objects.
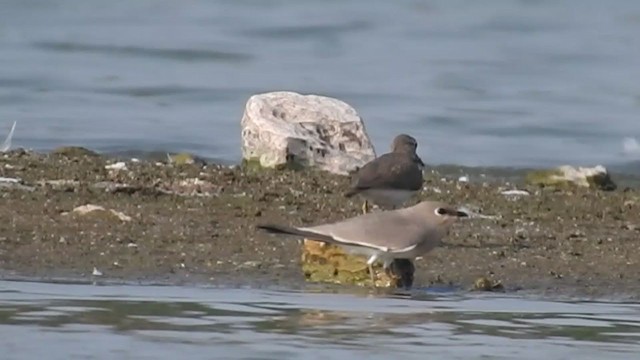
[
  {"x": 173, "y": 54},
  {"x": 245, "y": 323},
  {"x": 308, "y": 31}
]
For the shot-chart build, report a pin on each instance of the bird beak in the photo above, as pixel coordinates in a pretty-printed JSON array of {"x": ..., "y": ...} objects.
[
  {"x": 456, "y": 213},
  {"x": 464, "y": 212}
]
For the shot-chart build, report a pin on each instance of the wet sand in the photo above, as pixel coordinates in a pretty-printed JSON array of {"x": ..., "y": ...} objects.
[{"x": 195, "y": 223}]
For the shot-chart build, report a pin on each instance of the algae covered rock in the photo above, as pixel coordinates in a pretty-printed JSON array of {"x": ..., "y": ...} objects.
[
  {"x": 293, "y": 130},
  {"x": 74, "y": 152},
  {"x": 255, "y": 165},
  {"x": 185, "y": 159},
  {"x": 567, "y": 176},
  {"x": 485, "y": 284},
  {"x": 322, "y": 262}
]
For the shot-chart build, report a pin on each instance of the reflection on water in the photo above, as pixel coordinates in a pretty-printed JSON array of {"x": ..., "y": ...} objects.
[{"x": 62, "y": 321}]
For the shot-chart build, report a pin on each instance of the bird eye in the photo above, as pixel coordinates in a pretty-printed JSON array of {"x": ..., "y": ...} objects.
[{"x": 441, "y": 211}]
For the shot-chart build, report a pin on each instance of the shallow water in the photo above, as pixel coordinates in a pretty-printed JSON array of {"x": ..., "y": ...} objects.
[
  {"x": 71, "y": 321},
  {"x": 525, "y": 83}
]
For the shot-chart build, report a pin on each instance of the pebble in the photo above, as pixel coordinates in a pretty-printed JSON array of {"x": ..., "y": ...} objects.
[
  {"x": 117, "y": 166},
  {"x": 9, "y": 180},
  {"x": 88, "y": 208},
  {"x": 515, "y": 193},
  {"x": 250, "y": 264},
  {"x": 14, "y": 183}
]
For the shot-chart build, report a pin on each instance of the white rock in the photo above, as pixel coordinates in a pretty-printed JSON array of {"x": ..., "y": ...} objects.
[
  {"x": 311, "y": 130},
  {"x": 463, "y": 179},
  {"x": 14, "y": 183},
  {"x": 120, "y": 215},
  {"x": 96, "y": 272},
  {"x": 85, "y": 209},
  {"x": 59, "y": 182},
  {"x": 117, "y": 166},
  {"x": 595, "y": 177},
  {"x": 580, "y": 175},
  {"x": 515, "y": 192},
  {"x": 10, "y": 180}
]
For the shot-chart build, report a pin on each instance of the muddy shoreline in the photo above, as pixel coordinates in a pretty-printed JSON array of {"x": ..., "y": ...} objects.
[{"x": 194, "y": 223}]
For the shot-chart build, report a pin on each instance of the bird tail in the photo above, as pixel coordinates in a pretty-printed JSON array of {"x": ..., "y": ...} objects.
[{"x": 288, "y": 230}]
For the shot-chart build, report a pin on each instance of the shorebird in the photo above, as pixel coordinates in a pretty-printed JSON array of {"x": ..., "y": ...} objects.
[
  {"x": 404, "y": 233},
  {"x": 391, "y": 179}
]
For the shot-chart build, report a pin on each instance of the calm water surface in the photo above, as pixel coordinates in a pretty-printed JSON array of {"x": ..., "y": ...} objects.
[
  {"x": 64, "y": 321},
  {"x": 528, "y": 83}
]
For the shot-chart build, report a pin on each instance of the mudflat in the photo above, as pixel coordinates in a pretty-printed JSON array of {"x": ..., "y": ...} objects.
[{"x": 158, "y": 220}]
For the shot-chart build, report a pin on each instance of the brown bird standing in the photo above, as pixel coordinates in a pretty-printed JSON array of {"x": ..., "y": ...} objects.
[{"x": 391, "y": 179}]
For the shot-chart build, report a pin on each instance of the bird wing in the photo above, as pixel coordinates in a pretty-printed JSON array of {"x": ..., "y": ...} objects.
[
  {"x": 389, "y": 171},
  {"x": 389, "y": 231}
]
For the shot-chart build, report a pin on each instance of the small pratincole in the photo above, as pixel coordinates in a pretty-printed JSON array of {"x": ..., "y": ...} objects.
[{"x": 386, "y": 235}]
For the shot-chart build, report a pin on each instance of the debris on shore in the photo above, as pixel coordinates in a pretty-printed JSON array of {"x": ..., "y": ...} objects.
[{"x": 198, "y": 220}]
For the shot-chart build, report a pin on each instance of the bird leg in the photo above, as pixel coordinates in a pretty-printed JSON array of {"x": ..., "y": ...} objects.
[
  {"x": 372, "y": 275},
  {"x": 372, "y": 259},
  {"x": 387, "y": 263},
  {"x": 365, "y": 207},
  {"x": 389, "y": 270},
  {"x": 370, "y": 262}
]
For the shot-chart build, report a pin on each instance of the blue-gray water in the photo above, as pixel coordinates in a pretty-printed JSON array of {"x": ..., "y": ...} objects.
[
  {"x": 63, "y": 321},
  {"x": 525, "y": 83}
]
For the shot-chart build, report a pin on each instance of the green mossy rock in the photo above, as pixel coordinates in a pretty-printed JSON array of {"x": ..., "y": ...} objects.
[
  {"x": 185, "y": 159},
  {"x": 485, "y": 284},
  {"x": 74, "y": 152},
  {"x": 568, "y": 176},
  {"x": 330, "y": 264},
  {"x": 254, "y": 164},
  {"x": 251, "y": 164}
]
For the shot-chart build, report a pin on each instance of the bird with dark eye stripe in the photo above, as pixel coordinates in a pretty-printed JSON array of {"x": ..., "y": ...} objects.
[
  {"x": 385, "y": 235},
  {"x": 391, "y": 179}
]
